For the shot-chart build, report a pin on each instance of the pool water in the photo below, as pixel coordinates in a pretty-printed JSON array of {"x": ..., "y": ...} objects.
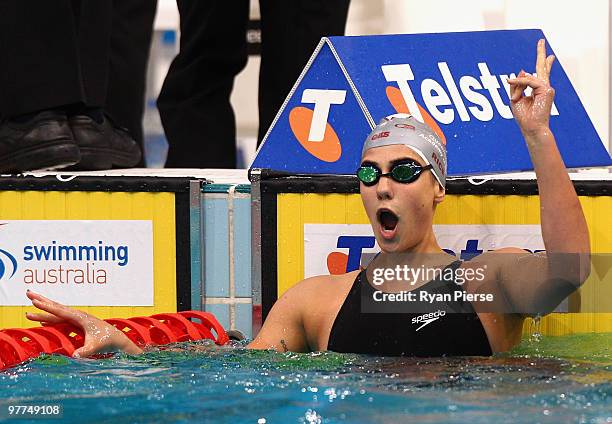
[{"x": 549, "y": 380}]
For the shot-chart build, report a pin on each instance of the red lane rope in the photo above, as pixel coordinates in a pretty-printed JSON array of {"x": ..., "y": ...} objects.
[
  {"x": 210, "y": 322},
  {"x": 160, "y": 333},
  {"x": 20, "y": 344}
]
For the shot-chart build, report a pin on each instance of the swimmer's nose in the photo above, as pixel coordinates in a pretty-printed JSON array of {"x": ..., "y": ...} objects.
[{"x": 384, "y": 188}]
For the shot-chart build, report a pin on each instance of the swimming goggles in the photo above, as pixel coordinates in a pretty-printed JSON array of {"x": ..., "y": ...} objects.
[{"x": 404, "y": 172}]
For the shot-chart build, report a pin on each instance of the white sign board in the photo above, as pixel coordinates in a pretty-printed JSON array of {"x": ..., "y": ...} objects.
[
  {"x": 464, "y": 241},
  {"x": 85, "y": 263}
]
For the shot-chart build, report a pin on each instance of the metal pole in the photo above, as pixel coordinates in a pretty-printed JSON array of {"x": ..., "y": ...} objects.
[
  {"x": 196, "y": 245},
  {"x": 256, "y": 251}
]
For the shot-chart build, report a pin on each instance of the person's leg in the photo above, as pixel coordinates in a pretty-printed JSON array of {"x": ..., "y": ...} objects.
[
  {"x": 194, "y": 103},
  {"x": 132, "y": 30},
  {"x": 54, "y": 54},
  {"x": 102, "y": 143},
  {"x": 39, "y": 77},
  {"x": 290, "y": 31},
  {"x": 38, "y": 56},
  {"x": 94, "y": 30}
]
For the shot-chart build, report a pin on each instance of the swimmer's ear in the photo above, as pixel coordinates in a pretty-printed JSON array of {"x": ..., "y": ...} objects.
[{"x": 439, "y": 193}]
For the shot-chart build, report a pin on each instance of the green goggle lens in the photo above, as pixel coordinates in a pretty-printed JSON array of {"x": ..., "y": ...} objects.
[
  {"x": 368, "y": 174},
  {"x": 402, "y": 173},
  {"x": 405, "y": 173}
]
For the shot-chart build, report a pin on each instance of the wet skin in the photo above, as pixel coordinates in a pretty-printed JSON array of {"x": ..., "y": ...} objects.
[
  {"x": 301, "y": 320},
  {"x": 312, "y": 305}
]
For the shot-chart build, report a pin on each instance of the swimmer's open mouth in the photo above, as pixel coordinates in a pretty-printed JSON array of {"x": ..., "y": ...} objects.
[{"x": 388, "y": 220}]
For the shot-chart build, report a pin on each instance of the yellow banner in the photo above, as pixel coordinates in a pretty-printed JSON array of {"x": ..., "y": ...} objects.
[
  {"x": 59, "y": 205},
  {"x": 296, "y": 210}
]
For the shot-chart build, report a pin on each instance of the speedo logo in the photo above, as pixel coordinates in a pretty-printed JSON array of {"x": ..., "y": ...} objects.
[
  {"x": 446, "y": 102},
  {"x": 427, "y": 319},
  {"x": 7, "y": 263}
]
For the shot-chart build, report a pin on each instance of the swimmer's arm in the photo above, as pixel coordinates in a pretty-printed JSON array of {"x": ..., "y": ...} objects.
[
  {"x": 532, "y": 284},
  {"x": 538, "y": 283},
  {"x": 100, "y": 336},
  {"x": 564, "y": 227},
  {"x": 283, "y": 329}
]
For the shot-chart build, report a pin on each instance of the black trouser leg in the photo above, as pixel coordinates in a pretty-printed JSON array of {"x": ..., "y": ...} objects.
[
  {"x": 132, "y": 30},
  {"x": 290, "y": 32},
  {"x": 195, "y": 100},
  {"x": 38, "y": 56},
  {"x": 93, "y": 34},
  {"x": 52, "y": 53}
]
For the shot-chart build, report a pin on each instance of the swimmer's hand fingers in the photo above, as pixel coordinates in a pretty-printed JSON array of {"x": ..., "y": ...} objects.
[
  {"x": 58, "y": 312},
  {"x": 532, "y": 112},
  {"x": 518, "y": 86},
  {"x": 44, "y": 318},
  {"x": 543, "y": 62},
  {"x": 100, "y": 336},
  {"x": 524, "y": 80}
]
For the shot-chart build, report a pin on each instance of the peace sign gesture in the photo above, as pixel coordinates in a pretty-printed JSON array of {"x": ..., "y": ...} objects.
[{"x": 532, "y": 113}]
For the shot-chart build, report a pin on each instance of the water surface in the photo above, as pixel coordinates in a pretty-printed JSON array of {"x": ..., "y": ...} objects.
[{"x": 553, "y": 380}]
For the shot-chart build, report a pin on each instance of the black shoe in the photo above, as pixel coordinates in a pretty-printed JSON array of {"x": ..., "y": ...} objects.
[
  {"x": 43, "y": 142},
  {"x": 103, "y": 145}
]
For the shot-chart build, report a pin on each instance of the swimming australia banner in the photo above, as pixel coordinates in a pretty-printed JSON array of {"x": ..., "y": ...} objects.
[
  {"x": 455, "y": 82},
  {"x": 108, "y": 263}
]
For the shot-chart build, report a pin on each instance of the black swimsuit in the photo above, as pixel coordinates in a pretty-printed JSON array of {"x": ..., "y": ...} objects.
[{"x": 457, "y": 331}]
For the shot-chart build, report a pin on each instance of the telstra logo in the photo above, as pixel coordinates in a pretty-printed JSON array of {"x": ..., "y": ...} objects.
[
  {"x": 311, "y": 128},
  {"x": 341, "y": 263},
  {"x": 400, "y": 96},
  {"x": 446, "y": 99},
  {"x": 461, "y": 97},
  {"x": 7, "y": 259}
]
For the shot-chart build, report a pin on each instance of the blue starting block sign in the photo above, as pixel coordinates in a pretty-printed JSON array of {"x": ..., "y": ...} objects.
[{"x": 455, "y": 82}]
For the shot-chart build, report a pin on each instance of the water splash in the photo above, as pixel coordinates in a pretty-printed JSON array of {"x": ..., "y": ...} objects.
[
  {"x": 535, "y": 330},
  {"x": 198, "y": 382}
]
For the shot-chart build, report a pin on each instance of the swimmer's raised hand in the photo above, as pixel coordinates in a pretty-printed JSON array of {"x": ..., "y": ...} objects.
[
  {"x": 532, "y": 113},
  {"x": 541, "y": 283},
  {"x": 100, "y": 336}
]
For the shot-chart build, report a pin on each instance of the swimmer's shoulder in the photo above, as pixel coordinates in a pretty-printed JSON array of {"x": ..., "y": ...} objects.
[
  {"x": 324, "y": 284},
  {"x": 496, "y": 257},
  {"x": 315, "y": 292},
  {"x": 494, "y": 263},
  {"x": 318, "y": 300}
]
